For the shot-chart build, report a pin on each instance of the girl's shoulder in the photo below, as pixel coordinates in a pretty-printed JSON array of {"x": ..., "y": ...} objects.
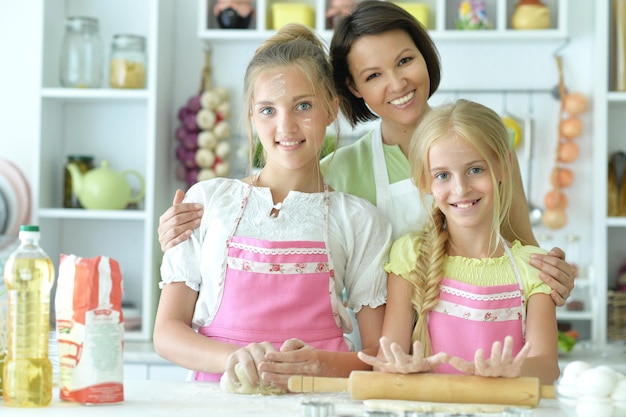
[
  {"x": 204, "y": 191},
  {"x": 356, "y": 208},
  {"x": 525, "y": 251}
]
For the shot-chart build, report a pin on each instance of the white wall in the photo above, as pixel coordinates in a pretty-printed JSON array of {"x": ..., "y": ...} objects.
[{"x": 20, "y": 38}]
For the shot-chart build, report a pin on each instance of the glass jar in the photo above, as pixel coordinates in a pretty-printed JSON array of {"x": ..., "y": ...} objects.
[
  {"x": 81, "y": 53},
  {"x": 84, "y": 163},
  {"x": 128, "y": 62}
]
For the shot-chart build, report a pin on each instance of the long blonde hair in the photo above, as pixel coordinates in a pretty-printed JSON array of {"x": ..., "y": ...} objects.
[
  {"x": 484, "y": 130},
  {"x": 298, "y": 46}
]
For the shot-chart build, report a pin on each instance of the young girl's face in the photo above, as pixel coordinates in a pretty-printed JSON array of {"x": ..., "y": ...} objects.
[
  {"x": 289, "y": 118},
  {"x": 461, "y": 183},
  {"x": 390, "y": 74}
]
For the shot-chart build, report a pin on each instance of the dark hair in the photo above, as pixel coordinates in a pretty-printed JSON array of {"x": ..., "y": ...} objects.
[{"x": 371, "y": 17}]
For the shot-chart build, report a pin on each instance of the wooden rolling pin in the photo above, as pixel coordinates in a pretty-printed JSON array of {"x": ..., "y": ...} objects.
[{"x": 466, "y": 389}]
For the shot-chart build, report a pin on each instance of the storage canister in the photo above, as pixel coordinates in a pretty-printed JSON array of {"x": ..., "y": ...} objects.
[
  {"x": 128, "y": 61},
  {"x": 81, "y": 53}
]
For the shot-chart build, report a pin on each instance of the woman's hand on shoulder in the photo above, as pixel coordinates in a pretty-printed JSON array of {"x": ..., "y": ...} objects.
[
  {"x": 391, "y": 358},
  {"x": 294, "y": 358},
  {"x": 555, "y": 272},
  {"x": 500, "y": 363},
  {"x": 178, "y": 221}
]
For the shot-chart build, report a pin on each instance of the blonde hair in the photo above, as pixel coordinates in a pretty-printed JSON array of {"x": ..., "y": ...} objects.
[
  {"x": 298, "y": 46},
  {"x": 484, "y": 130}
]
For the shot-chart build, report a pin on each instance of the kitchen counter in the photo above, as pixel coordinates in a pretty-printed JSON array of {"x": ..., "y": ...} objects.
[{"x": 160, "y": 398}]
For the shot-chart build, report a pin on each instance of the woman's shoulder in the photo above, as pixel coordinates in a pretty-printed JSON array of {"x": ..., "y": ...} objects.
[
  {"x": 356, "y": 207},
  {"x": 352, "y": 153}
]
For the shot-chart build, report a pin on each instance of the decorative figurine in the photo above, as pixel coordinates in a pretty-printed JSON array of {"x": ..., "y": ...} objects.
[
  {"x": 530, "y": 14},
  {"x": 338, "y": 9},
  {"x": 233, "y": 14},
  {"x": 473, "y": 16}
]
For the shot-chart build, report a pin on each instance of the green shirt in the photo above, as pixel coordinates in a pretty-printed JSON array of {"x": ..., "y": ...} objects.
[{"x": 350, "y": 169}]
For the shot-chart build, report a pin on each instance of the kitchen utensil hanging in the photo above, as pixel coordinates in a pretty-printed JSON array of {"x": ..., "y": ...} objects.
[{"x": 535, "y": 212}]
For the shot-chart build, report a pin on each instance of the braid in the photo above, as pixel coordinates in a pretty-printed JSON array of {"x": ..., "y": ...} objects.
[{"x": 427, "y": 276}]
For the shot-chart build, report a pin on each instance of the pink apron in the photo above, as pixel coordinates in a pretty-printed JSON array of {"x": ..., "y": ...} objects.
[
  {"x": 274, "y": 291},
  {"x": 468, "y": 317}
]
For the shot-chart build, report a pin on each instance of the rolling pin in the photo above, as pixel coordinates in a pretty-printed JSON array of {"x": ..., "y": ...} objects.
[{"x": 365, "y": 385}]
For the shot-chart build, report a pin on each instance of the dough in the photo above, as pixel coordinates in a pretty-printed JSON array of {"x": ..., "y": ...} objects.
[
  {"x": 245, "y": 387},
  {"x": 401, "y": 406}
]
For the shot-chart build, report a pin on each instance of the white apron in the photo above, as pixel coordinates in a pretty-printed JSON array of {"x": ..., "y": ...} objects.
[{"x": 400, "y": 201}]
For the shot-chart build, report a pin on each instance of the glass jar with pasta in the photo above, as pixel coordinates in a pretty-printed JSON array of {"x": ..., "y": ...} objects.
[{"x": 128, "y": 61}]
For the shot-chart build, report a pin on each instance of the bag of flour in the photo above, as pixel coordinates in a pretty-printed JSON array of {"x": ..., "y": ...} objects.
[{"x": 90, "y": 330}]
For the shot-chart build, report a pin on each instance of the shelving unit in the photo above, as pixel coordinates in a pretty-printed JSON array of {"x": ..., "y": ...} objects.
[
  {"x": 610, "y": 232},
  {"x": 123, "y": 127},
  {"x": 442, "y": 17}
]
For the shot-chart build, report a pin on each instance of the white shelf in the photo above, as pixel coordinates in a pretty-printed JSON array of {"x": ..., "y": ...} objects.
[
  {"x": 565, "y": 315},
  {"x": 616, "y": 96},
  {"x": 82, "y": 214},
  {"x": 126, "y": 127},
  {"x": 442, "y": 17},
  {"x": 70, "y": 94},
  {"x": 616, "y": 222}
]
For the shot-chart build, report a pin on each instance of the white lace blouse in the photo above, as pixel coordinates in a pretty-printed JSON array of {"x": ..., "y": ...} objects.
[{"x": 359, "y": 240}]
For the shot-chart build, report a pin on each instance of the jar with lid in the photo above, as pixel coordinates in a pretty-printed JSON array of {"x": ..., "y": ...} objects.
[
  {"x": 81, "y": 53},
  {"x": 128, "y": 61},
  {"x": 84, "y": 163}
]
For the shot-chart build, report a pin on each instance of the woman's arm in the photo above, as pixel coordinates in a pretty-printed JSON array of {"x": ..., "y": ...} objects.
[
  {"x": 555, "y": 272},
  {"x": 176, "y": 224}
]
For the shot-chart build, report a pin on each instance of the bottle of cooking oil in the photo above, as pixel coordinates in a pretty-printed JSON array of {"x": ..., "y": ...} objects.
[{"x": 28, "y": 275}]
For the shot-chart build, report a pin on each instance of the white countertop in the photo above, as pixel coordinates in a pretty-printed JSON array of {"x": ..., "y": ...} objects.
[{"x": 160, "y": 398}]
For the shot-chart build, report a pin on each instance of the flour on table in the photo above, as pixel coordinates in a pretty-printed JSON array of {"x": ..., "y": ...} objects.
[{"x": 245, "y": 387}]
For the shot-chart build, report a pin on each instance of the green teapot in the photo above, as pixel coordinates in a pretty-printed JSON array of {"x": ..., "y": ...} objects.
[{"x": 103, "y": 188}]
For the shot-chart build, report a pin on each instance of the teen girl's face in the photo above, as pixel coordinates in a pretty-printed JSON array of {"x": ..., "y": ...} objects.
[
  {"x": 461, "y": 183},
  {"x": 289, "y": 118},
  {"x": 390, "y": 74}
]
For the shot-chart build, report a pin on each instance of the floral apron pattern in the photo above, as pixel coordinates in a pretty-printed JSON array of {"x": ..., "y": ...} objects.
[
  {"x": 468, "y": 313},
  {"x": 274, "y": 291}
]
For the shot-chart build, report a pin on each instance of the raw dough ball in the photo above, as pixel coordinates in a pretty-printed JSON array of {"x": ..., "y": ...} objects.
[{"x": 245, "y": 387}]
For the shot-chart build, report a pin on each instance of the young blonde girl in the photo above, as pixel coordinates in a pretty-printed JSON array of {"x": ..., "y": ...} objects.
[
  {"x": 457, "y": 289},
  {"x": 266, "y": 269}
]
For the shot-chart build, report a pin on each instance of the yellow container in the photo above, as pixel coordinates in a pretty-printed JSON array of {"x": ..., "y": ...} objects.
[
  {"x": 283, "y": 13},
  {"x": 418, "y": 10}
]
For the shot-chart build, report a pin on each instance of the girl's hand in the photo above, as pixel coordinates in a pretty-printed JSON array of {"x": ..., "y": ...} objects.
[
  {"x": 176, "y": 224},
  {"x": 555, "y": 272},
  {"x": 249, "y": 357},
  {"x": 501, "y": 362},
  {"x": 295, "y": 358},
  {"x": 396, "y": 361}
]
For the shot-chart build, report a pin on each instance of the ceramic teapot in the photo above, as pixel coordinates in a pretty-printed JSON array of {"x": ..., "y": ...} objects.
[{"x": 103, "y": 188}]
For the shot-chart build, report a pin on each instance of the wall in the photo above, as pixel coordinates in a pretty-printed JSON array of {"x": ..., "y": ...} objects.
[
  {"x": 467, "y": 69},
  {"x": 508, "y": 76}
]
